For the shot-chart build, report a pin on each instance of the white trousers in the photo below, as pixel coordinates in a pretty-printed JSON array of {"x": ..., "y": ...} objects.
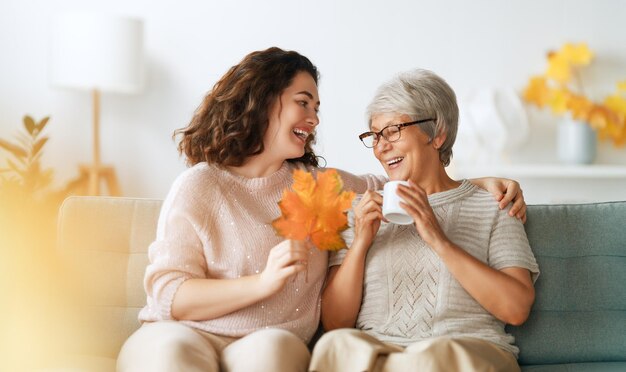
[
  {"x": 352, "y": 350},
  {"x": 172, "y": 346}
]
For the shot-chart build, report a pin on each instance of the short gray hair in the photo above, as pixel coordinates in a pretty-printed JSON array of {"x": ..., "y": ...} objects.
[{"x": 420, "y": 94}]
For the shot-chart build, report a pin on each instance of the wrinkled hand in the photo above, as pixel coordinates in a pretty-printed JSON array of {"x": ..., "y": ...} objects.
[
  {"x": 417, "y": 206},
  {"x": 506, "y": 191},
  {"x": 285, "y": 260},
  {"x": 367, "y": 216}
]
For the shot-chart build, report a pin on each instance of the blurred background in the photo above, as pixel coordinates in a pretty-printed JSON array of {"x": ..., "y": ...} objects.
[
  {"x": 486, "y": 50},
  {"x": 162, "y": 57}
]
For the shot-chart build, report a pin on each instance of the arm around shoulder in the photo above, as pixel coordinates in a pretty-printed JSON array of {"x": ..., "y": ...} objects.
[{"x": 360, "y": 184}]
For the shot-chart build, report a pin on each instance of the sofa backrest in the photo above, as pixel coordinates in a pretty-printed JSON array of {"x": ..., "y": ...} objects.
[
  {"x": 105, "y": 240},
  {"x": 579, "y": 313}
]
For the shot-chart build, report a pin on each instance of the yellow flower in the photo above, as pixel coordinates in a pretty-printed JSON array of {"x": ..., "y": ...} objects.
[
  {"x": 580, "y": 107},
  {"x": 610, "y": 124},
  {"x": 558, "y": 100},
  {"x": 553, "y": 89},
  {"x": 616, "y": 103},
  {"x": 537, "y": 91},
  {"x": 576, "y": 54},
  {"x": 558, "y": 68},
  {"x": 615, "y": 130},
  {"x": 560, "y": 64},
  {"x": 599, "y": 118}
]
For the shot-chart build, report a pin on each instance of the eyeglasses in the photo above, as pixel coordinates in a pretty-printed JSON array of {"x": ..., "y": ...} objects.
[{"x": 391, "y": 133}]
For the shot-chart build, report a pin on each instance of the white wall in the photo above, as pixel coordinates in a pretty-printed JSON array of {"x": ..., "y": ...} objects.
[{"x": 356, "y": 44}]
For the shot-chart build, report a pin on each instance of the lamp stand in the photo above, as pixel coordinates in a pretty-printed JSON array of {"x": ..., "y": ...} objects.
[{"x": 96, "y": 172}]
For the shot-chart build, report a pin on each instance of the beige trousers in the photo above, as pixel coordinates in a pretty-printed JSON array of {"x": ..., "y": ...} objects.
[
  {"x": 173, "y": 346},
  {"x": 352, "y": 350}
]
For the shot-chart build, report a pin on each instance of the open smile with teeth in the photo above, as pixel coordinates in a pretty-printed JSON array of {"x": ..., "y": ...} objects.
[
  {"x": 392, "y": 163},
  {"x": 301, "y": 134}
]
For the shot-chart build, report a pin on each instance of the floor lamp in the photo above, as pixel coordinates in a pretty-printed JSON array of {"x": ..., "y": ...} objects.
[{"x": 101, "y": 54}]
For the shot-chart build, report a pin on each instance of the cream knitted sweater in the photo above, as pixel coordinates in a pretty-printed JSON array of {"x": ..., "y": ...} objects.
[
  {"x": 215, "y": 224},
  {"x": 408, "y": 293}
]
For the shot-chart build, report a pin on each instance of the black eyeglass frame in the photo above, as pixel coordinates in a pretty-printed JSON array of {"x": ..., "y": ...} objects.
[{"x": 380, "y": 132}]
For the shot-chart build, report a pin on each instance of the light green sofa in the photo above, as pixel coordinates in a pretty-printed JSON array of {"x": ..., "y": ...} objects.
[{"x": 578, "y": 322}]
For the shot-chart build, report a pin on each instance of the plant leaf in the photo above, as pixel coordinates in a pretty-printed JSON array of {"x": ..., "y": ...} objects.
[
  {"x": 29, "y": 124},
  {"x": 328, "y": 241},
  {"x": 38, "y": 145},
  {"x": 14, "y": 167},
  {"x": 315, "y": 210},
  {"x": 303, "y": 185},
  {"x": 332, "y": 205},
  {"x": 42, "y": 123},
  {"x": 24, "y": 139},
  {"x": 296, "y": 221},
  {"x": 14, "y": 149}
]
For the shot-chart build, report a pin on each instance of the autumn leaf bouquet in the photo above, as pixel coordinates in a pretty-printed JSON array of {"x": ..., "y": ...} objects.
[
  {"x": 315, "y": 210},
  {"x": 560, "y": 88}
]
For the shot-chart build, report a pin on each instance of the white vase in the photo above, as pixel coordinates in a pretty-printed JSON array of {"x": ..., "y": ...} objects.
[{"x": 576, "y": 142}]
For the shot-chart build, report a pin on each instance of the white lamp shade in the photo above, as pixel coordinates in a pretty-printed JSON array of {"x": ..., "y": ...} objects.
[{"x": 96, "y": 51}]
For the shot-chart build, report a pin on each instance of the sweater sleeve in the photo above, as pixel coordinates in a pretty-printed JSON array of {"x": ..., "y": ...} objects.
[
  {"x": 352, "y": 182},
  {"x": 509, "y": 247},
  {"x": 177, "y": 253},
  {"x": 362, "y": 183}
]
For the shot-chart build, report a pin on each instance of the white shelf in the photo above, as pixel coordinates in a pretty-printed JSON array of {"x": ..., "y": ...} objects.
[{"x": 541, "y": 171}]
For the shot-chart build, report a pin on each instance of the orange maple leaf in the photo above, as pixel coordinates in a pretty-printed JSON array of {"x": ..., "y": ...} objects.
[{"x": 315, "y": 210}]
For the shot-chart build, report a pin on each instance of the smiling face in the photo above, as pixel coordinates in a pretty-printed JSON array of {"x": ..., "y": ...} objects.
[
  {"x": 413, "y": 157},
  {"x": 292, "y": 119}
]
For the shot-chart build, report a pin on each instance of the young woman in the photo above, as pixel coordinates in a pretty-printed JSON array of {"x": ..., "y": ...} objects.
[
  {"x": 222, "y": 287},
  {"x": 434, "y": 295}
]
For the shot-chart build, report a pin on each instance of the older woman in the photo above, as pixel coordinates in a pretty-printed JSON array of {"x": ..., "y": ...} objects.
[{"x": 434, "y": 295}]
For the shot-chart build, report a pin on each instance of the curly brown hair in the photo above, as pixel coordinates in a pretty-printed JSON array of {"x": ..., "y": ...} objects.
[{"x": 230, "y": 123}]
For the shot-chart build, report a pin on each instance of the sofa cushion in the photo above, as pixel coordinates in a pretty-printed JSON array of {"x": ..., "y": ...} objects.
[
  {"x": 579, "y": 313},
  {"x": 104, "y": 241}
]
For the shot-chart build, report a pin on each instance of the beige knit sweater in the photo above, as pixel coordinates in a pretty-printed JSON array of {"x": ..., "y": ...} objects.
[
  {"x": 408, "y": 293},
  {"x": 215, "y": 224}
]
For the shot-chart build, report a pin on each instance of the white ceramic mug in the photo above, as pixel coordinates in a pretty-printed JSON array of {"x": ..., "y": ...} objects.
[{"x": 392, "y": 210}]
